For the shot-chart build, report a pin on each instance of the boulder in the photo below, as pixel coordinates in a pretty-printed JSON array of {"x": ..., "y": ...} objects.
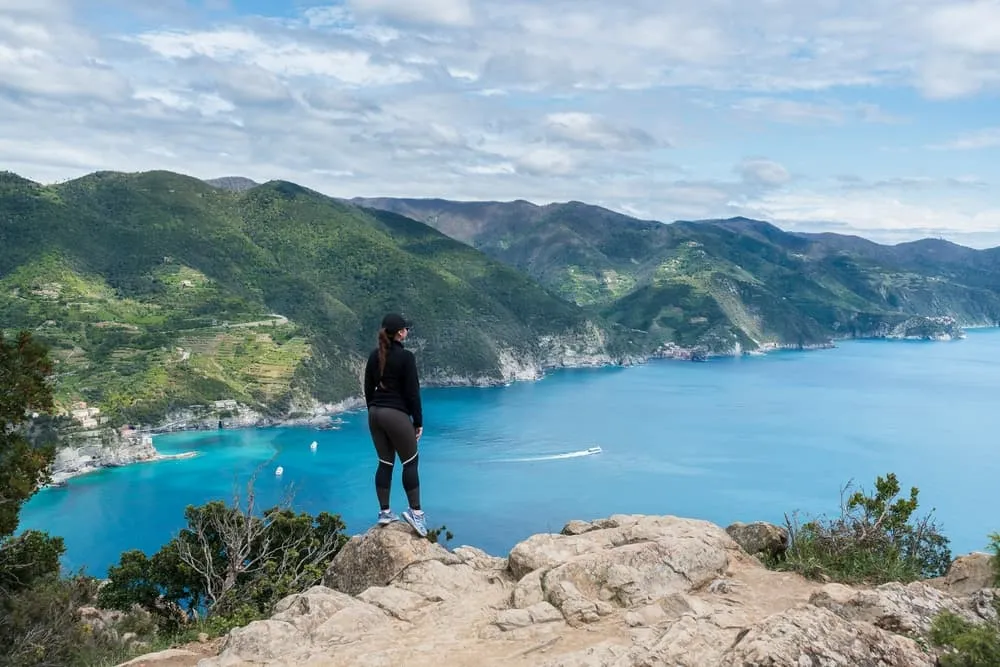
[
  {"x": 810, "y": 635},
  {"x": 378, "y": 556},
  {"x": 904, "y": 609},
  {"x": 759, "y": 538},
  {"x": 968, "y": 574},
  {"x": 621, "y": 562}
]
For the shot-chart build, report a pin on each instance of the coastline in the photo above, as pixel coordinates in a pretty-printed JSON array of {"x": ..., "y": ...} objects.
[
  {"x": 59, "y": 479},
  {"x": 322, "y": 416}
]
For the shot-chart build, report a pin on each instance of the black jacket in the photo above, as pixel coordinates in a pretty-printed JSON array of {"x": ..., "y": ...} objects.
[{"x": 400, "y": 386}]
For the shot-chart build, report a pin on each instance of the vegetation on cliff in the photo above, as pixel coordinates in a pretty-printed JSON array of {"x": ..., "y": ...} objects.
[
  {"x": 157, "y": 291},
  {"x": 719, "y": 283},
  {"x": 876, "y": 539}
]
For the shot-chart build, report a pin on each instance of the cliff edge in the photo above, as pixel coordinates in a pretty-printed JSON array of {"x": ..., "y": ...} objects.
[{"x": 628, "y": 590}]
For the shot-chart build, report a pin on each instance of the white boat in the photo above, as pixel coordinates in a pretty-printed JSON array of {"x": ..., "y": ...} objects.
[
  {"x": 314, "y": 445},
  {"x": 279, "y": 471},
  {"x": 594, "y": 450}
]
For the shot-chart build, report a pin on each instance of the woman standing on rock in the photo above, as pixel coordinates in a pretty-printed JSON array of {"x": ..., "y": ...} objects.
[{"x": 395, "y": 417}]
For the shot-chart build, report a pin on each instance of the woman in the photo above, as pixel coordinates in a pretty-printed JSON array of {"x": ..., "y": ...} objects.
[{"x": 395, "y": 417}]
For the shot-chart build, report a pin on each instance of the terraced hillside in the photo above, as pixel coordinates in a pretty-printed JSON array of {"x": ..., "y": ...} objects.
[{"x": 158, "y": 291}]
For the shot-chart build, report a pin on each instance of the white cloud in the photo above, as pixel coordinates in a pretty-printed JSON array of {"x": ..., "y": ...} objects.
[
  {"x": 832, "y": 113},
  {"x": 874, "y": 215},
  {"x": 446, "y": 12},
  {"x": 283, "y": 57},
  {"x": 973, "y": 27},
  {"x": 586, "y": 129},
  {"x": 985, "y": 138},
  {"x": 546, "y": 160},
  {"x": 766, "y": 173}
]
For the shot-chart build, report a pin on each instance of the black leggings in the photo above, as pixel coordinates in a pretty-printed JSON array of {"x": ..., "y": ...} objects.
[{"x": 393, "y": 434}]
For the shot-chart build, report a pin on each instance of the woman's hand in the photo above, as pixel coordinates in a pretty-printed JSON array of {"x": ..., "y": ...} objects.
[{"x": 420, "y": 432}]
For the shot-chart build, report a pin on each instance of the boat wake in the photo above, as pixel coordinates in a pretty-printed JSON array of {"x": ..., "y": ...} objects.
[{"x": 555, "y": 457}]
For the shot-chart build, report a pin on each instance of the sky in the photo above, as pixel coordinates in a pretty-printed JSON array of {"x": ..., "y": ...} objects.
[{"x": 872, "y": 117}]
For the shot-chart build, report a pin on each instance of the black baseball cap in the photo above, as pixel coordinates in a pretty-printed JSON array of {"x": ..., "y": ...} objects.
[{"x": 395, "y": 322}]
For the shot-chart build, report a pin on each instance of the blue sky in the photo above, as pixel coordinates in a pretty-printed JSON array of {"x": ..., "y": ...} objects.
[{"x": 876, "y": 117}]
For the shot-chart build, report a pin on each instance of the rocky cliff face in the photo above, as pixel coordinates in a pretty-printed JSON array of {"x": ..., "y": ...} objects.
[
  {"x": 622, "y": 591},
  {"x": 104, "y": 448}
]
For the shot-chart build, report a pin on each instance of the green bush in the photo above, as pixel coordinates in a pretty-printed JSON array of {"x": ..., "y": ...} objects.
[
  {"x": 876, "y": 539},
  {"x": 966, "y": 644},
  {"x": 42, "y": 625},
  {"x": 228, "y": 567}
]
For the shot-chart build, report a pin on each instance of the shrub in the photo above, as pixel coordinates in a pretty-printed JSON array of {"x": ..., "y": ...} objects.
[
  {"x": 966, "y": 644},
  {"x": 42, "y": 625},
  {"x": 874, "y": 540},
  {"x": 229, "y": 566}
]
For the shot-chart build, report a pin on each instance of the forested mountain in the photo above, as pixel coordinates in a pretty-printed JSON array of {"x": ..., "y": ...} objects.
[
  {"x": 724, "y": 282},
  {"x": 159, "y": 291}
]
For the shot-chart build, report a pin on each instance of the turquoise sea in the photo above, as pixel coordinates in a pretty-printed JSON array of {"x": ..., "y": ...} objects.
[{"x": 732, "y": 439}]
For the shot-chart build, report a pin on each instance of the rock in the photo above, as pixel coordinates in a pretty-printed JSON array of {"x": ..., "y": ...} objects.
[
  {"x": 807, "y": 635},
  {"x": 985, "y": 604},
  {"x": 260, "y": 641},
  {"x": 172, "y": 657},
  {"x": 379, "y": 555},
  {"x": 577, "y": 527},
  {"x": 625, "y": 591},
  {"x": 100, "y": 620},
  {"x": 351, "y": 624},
  {"x": 543, "y": 551},
  {"x": 968, "y": 574},
  {"x": 760, "y": 538},
  {"x": 479, "y": 559},
  {"x": 904, "y": 609},
  {"x": 307, "y": 611},
  {"x": 397, "y": 602},
  {"x": 633, "y": 563}
]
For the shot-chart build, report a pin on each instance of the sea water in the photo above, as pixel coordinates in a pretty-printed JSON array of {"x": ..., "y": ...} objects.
[{"x": 743, "y": 439}]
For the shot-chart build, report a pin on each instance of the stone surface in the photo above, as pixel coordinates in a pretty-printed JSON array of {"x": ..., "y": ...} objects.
[
  {"x": 173, "y": 657},
  {"x": 625, "y": 591},
  {"x": 968, "y": 574},
  {"x": 759, "y": 538},
  {"x": 902, "y": 609},
  {"x": 378, "y": 556},
  {"x": 806, "y": 635}
]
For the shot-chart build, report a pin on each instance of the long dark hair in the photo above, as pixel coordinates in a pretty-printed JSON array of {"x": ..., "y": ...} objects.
[{"x": 383, "y": 348}]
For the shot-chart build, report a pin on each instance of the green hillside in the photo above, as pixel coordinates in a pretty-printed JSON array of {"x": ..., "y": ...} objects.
[
  {"x": 158, "y": 291},
  {"x": 722, "y": 283}
]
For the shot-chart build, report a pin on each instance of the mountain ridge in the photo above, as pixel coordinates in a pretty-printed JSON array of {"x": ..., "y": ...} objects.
[
  {"x": 159, "y": 291},
  {"x": 726, "y": 284}
]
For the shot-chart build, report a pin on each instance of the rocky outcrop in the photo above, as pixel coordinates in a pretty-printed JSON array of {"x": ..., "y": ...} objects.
[
  {"x": 105, "y": 448},
  {"x": 621, "y": 591},
  {"x": 759, "y": 538},
  {"x": 968, "y": 574}
]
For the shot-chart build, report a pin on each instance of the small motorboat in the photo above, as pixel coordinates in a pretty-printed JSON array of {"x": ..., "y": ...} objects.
[
  {"x": 314, "y": 445},
  {"x": 279, "y": 471},
  {"x": 594, "y": 450}
]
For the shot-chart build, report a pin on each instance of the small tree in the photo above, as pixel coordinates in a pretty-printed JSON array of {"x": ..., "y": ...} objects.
[
  {"x": 229, "y": 561},
  {"x": 25, "y": 370},
  {"x": 875, "y": 539}
]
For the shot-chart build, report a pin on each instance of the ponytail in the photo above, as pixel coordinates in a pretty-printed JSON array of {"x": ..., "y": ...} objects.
[{"x": 383, "y": 349}]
